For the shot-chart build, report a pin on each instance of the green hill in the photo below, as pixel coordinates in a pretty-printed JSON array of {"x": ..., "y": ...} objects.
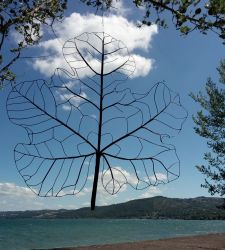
[{"x": 152, "y": 208}]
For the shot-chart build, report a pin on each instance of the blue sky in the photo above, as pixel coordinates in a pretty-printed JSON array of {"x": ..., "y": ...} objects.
[{"x": 184, "y": 63}]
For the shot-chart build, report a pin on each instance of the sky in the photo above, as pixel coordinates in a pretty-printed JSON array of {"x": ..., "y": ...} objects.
[{"x": 183, "y": 63}]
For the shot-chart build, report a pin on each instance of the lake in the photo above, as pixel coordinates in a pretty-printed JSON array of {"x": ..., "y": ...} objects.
[{"x": 21, "y": 234}]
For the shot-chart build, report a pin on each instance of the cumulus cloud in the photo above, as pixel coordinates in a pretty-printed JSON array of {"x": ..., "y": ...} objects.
[
  {"x": 11, "y": 189},
  {"x": 144, "y": 66},
  {"x": 73, "y": 100},
  {"x": 119, "y": 8},
  {"x": 18, "y": 198},
  {"x": 103, "y": 198},
  {"x": 119, "y": 174},
  {"x": 14, "y": 197},
  {"x": 159, "y": 176},
  {"x": 150, "y": 192},
  {"x": 126, "y": 193},
  {"x": 122, "y": 178},
  {"x": 117, "y": 26}
]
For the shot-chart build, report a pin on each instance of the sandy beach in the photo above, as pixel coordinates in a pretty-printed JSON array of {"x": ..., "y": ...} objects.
[{"x": 210, "y": 241}]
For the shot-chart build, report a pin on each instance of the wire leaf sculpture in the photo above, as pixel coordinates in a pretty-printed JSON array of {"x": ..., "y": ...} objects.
[{"x": 86, "y": 123}]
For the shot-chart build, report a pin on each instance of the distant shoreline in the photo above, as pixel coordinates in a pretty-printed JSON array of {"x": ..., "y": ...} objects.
[
  {"x": 110, "y": 218},
  {"x": 158, "y": 207},
  {"x": 209, "y": 241}
]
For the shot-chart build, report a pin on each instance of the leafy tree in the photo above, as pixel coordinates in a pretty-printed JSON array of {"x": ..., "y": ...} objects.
[
  {"x": 187, "y": 15},
  {"x": 23, "y": 18},
  {"x": 211, "y": 125}
]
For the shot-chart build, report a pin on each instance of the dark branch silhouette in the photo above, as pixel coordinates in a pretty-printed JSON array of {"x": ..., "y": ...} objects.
[{"x": 87, "y": 122}]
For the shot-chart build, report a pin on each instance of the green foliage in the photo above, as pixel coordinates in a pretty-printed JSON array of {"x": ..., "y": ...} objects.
[
  {"x": 210, "y": 124},
  {"x": 187, "y": 15},
  {"x": 23, "y": 18},
  {"x": 98, "y": 3}
]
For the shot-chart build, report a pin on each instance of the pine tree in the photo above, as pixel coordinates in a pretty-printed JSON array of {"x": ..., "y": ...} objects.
[{"x": 210, "y": 124}]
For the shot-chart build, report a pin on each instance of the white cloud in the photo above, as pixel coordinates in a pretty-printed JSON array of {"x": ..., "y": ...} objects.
[
  {"x": 74, "y": 100},
  {"x": 18, "y": 198},
  {"x": 11, "y": 189},
  {"x": 68, "y": 99},
  {"x": 144, "y": 66},
  {"x": 160, "y": 177},
  {"x": 125, "y": 194},
  {"x": 103, "y": 198},
  {"x": 150, "y": 192},
  {"x": 117, "y": 26},
  {"x": 13, "y": 197},
  {"x": 123, "y": 177},
  {"x": 119, "y": 8}
]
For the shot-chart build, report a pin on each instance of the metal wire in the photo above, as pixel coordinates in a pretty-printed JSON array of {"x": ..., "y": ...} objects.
[{"x": 87, "y": 122}]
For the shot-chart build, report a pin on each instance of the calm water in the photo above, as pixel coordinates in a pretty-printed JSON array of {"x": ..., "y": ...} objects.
[{"x": 21, "y": 234}]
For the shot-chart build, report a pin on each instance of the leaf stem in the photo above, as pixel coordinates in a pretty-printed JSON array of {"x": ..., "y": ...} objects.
[{"x": 98, "y": 153}]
